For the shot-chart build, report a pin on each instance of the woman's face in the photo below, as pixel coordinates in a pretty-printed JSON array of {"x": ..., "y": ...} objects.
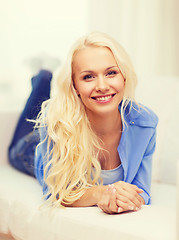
[{"x": 98, "y": 80}]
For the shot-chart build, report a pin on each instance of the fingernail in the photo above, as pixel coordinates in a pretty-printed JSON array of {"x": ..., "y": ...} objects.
[
  {"x": 141, "y": 189},
  {"x": 131, "y": 208},
  {"x": 137, "y": 209},
  {"x": 114, "y": 190},
  {"x": 119, "y": 210}
]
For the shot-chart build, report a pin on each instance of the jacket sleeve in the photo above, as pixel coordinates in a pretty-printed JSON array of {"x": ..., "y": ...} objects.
[
  {"x": 143, "y": 176},
  {"x": 41, "y": 159}
]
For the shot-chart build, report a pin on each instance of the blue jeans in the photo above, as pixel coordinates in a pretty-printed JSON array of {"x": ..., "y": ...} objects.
[
  {"x": 21, "y": 155},
  {"x": 22, "y": 148}
]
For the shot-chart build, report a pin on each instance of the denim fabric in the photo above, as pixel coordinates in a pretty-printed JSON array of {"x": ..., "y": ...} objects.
[
  {"x": 21, "y": 155},
  {"x": 40, "y": 92},
  {"x": 22, "y": 148}
]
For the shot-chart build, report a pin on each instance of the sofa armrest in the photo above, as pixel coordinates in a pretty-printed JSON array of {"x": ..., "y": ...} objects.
[{"x": 8, "y": 120}]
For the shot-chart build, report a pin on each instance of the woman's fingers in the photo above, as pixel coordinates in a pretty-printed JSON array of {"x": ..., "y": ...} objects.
[
  {"x": 139, "y": 190},
  {"x": 108, "y": 201},
  {"x": 116, "y": 205},
  {"x": 129, "y": 194},
  {"x": 113, "y": 201},
  {"x": 120, "y": 197},
  {"x": 104, "y": 201},
  {"x": 125, "y": 206},
  {"x": 128, "y": 185},
  {"x": 141, "y": 200},
  {"x": 130, "y": 197},
  {"x": 126, "y": 203}
]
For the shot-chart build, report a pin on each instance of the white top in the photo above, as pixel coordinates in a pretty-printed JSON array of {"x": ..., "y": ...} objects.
[{"x": 112, "y": 175}]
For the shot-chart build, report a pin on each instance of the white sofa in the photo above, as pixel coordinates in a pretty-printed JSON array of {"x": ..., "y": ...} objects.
[{"x": 24, "y": 217}]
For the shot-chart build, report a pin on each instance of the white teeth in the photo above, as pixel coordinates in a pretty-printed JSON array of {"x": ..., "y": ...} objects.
[{"x": 103, "y": 98}]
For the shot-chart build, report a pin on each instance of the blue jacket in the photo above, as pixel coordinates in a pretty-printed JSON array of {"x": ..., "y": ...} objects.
[{"x": 136, "y": 148}]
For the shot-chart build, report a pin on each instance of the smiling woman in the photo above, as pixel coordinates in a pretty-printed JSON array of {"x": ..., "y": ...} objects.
[
  {"x": 96, "y": 143},
  {"x": 98, "y": 81}
]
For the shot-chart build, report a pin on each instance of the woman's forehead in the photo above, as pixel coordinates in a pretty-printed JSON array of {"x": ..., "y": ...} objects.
[{"x": 94, "y": 56}]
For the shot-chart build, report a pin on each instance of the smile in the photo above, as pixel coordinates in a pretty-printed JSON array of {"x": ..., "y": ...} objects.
[{"x": 103, "y": 98}]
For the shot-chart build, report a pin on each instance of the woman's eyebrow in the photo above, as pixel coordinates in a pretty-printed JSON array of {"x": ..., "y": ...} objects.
[
  {"x": 112, "y": 67},
  {"x": 89, "y": 71}
]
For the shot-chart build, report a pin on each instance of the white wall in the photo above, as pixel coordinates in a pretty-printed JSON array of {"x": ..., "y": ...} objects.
[
  {"x": 35, "y": 29},
  {"x": 148, "y": 29}
]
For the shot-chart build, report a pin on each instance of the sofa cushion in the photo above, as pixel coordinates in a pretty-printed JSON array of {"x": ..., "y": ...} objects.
[{"x": 25, "y": 215}]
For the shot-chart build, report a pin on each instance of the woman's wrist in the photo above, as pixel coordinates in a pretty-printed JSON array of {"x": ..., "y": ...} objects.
[
  {"x": 90, "y": 198},
  {"x": 96, "y": 193}
]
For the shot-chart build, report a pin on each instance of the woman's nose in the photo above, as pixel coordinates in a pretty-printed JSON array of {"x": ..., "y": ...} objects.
[{"x": 102, "y": 85}]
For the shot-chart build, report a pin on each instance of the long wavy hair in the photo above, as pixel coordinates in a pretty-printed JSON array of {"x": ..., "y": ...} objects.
[{"x": 71, "y": 164}]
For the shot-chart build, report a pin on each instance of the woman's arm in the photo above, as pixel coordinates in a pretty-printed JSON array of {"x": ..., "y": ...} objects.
[
  {"x": 143, "y": 176},
  {"x": 115, "y": 198},
  {"x": 90, "y": 198}
]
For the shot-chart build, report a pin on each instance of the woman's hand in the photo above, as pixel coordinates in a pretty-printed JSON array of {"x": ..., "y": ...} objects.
[
  {"x": 120, "y": 197},
  {"x": 107, "y": 199},
  {"x": 127, "y": 196},
  {"x": 115, "y": 198}
]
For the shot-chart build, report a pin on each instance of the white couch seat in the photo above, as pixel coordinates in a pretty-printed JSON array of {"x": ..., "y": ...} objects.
[{"x": 23, "y": 215}]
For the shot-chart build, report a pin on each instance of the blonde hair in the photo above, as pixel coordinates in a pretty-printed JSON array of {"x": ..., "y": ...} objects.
[{"x": 72, "y": 162}]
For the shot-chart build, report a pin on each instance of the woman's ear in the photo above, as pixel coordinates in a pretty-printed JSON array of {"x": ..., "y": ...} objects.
[
  {"x": 73, "y": 79},
  {"x": 77, "y": 92}
]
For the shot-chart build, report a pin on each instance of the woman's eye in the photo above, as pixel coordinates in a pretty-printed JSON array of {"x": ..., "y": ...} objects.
[
  {"x": 111, "y": 73},
  {"x": 86, "y": 77}
]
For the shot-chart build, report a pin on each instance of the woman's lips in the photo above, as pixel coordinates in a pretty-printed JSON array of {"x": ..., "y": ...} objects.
[{"x": 105, "y": 98}]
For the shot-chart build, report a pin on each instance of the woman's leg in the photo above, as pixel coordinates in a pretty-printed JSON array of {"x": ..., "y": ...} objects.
[
  {"x": 40, "y": 92},
  {"x": 25, "y": 139},
  {"x": 21, "y": 155}
]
